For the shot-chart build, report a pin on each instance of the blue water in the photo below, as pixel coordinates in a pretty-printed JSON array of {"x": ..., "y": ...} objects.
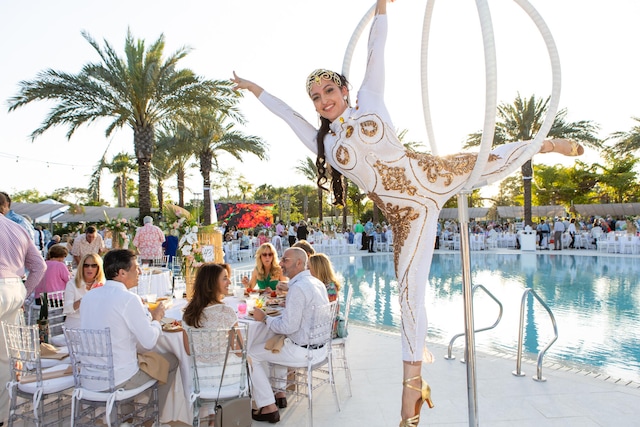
[{"x": 595, "y": 300}]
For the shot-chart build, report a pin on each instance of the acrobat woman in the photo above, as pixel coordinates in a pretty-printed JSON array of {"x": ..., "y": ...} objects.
[{"x": 410, "y": 188}]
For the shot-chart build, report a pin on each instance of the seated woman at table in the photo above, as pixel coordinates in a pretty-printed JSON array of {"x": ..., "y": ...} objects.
[
  {"x": 206, "y": 309},
  {"x": 267, "y": 272},
  {"x": 90, "y": 275},
  {"x": 321, "y": 268}
]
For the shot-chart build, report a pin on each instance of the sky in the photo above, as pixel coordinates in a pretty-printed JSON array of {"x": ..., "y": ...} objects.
[{"x": 277, "y": 44}]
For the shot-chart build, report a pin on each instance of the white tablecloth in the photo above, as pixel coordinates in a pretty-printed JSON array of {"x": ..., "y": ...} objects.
[{"x": 155, "y": 283}]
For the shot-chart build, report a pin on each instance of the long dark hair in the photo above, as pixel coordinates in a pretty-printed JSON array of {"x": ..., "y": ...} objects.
[
  {"x": 337, "y": 180},
  {"x": 205, "y": 291}
]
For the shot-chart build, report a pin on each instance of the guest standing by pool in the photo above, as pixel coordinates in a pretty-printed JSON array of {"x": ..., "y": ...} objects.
[{"x": 409, "y": 187}]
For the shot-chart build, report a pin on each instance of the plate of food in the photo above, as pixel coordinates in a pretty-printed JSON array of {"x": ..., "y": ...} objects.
[
  {"x": 171, "y": 325},
  {"x": 269, "y": 311}
]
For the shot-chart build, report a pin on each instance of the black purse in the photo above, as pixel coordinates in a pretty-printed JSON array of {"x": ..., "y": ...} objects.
[{"x": 234, "y": 412}]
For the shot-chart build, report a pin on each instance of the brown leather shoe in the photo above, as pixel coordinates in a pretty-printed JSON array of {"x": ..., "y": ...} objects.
[{"x": 271, "y": 417}]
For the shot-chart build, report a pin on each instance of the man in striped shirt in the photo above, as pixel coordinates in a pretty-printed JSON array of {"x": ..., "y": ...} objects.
[{"x": 18, "y": 256}]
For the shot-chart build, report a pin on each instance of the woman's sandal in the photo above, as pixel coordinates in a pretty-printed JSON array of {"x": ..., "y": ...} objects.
[
  {"x": 566, "y": 147},
  {"x": 425, "y": 397}
]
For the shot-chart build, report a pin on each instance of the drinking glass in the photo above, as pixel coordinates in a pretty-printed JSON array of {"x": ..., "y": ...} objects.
[{"x": 242, "y": 308}]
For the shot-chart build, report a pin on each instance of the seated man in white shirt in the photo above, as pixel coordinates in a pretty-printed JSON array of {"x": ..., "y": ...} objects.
[
  {"x": 130, "y": 323},
  {"x": 305, "y": 291}
]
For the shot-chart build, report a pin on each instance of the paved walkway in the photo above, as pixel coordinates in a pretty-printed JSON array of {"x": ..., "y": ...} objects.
[{"x": 569, "y": 397}]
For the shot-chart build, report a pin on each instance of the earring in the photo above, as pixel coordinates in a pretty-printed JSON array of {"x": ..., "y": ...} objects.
[{"x": 345, "y": 97}]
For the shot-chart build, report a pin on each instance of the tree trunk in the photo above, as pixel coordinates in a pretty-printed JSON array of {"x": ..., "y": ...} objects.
[
  {"x": 160, "y": 194},
  {"x": 205, "y": 170},
  {"x": 180, "y": 175},
  {"x": 144, "y": 141},
  {"x": 527, "y": 177},
  {"x": 319, "y": 204}
]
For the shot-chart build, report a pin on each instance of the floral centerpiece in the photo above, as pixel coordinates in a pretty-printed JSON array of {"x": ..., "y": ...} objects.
[
  {"x": 189, "y": 246},
  {"x": 119, "y": 228}
]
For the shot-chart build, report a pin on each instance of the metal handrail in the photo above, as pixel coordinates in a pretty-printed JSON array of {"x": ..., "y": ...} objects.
[
  {"x": 518, "y": 372},
  {"x": 449, "y": 356}
]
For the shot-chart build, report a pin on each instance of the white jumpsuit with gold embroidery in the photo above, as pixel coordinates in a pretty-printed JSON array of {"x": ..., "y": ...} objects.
[{"x": 410, "y": 188}]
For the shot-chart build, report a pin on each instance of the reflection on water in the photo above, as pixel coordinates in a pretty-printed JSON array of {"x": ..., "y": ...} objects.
[{"x": 595, "y": 299}]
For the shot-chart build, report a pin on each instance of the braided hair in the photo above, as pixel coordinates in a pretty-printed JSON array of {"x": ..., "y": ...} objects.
[{"x": 338, "y": 182}]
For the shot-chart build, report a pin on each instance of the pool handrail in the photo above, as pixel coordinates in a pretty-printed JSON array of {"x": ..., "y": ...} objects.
[
  {"x": 449, "y": 356},
  {"x": 518, "y": 372}
]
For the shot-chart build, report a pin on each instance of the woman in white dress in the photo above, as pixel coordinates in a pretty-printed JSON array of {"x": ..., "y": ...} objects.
[
  {"x": 409, "y": 187},
  {"x": 89, "y": 275}
]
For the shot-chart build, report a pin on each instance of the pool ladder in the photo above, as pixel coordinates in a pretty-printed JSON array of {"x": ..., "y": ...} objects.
[
  {"x": 518, "y": 372},
  {"x": 449, "y": 356}
]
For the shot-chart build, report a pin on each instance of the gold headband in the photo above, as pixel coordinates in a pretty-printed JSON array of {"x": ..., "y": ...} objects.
[{"x": 321, "y": 74}]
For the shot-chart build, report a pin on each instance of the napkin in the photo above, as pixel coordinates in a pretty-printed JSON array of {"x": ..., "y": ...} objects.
[
  {"x": 275, "y": 343},
  {"x": 48, "y": 351},
  {"x": 50, "y": 374},
  {"x": 154, "y": 365}
]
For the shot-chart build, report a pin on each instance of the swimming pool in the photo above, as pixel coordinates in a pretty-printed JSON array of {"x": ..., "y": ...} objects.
[{"x": 595, "y": 300}]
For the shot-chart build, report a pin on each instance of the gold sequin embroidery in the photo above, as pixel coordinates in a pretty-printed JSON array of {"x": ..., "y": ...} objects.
[
  {"x": 394, "y": 178},
  {"x": 447, "y": 166},
  {"x": 349, "y": 131},
  {"x": 342, "y": 155},
  {"x": 369, "y": 128},
  {"x": 400, "y": 219}
]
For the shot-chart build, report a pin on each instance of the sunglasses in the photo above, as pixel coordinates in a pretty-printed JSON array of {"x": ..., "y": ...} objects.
[
  {"x": 267, "y": 254},
  {"x": 90, "y": 265}
]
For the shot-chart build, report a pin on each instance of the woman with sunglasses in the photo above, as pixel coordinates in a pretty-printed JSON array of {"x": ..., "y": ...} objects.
[
  {"x": 267, "y": 272},
  {"x": 90, "y": 275}
]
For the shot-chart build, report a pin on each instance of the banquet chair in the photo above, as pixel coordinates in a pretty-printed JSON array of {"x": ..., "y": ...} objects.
[
  {"x": 308, "y": 376},
  {"x": 92, "y": 362},
  {"x": 38, "y": 396},
  {"x": 339, "y": 344},
  {"x": 55, "y": 301},
  {"x": 208, "y": 349}
]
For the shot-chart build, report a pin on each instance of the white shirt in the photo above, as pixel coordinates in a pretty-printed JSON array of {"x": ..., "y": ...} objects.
[
  {"x": 305, "y": 291},
  {"x": 122, "y": 311},
  {"x": 71, "y": 295}
]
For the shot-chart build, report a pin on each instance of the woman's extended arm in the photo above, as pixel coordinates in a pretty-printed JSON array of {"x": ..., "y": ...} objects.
[{"x": 246, "y": 84}]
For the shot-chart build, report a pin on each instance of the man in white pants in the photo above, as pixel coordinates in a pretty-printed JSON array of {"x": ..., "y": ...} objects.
[
  {"x": 305, "y": 291},
  {"x": 17, "y": 254}
]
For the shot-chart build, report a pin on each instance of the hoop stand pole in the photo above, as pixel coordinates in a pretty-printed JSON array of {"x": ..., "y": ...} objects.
[{"x": 467, "y": 293}]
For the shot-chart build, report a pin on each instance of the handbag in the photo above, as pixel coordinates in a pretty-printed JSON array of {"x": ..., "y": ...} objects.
[
  {"x": 234, "y": 412},
  {"x": 341, "y": 330}
]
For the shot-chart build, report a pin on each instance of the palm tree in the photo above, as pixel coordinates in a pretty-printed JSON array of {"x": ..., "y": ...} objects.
[
  {"x": 308, "y": 169},
  {"x": 627, "y": 141},
  {"x": 179, "y": 151},
  {"x": 521, "y": 121},
  {"x": 120, "y": 166},
  {"x": 210, "y": 133},
  {"x": 139, "y": 92},
  {"x": 163, "y": 166}
]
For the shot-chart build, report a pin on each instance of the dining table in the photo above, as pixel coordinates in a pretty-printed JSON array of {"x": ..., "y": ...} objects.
[{"x": 178, "y": 406}]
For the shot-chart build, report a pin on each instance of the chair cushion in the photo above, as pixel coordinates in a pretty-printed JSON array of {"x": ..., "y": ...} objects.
[
  {"x": 227, "y": 391},
  {"x": 53, "y": 385},
  {"x": 102, "y": 396}
]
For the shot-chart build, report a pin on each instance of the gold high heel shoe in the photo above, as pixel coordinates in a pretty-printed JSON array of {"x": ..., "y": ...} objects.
[{"x": 425, "y": 397}]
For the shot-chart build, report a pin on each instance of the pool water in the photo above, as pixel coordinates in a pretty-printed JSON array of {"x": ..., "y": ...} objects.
[{"x": 595, "y": 300}]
